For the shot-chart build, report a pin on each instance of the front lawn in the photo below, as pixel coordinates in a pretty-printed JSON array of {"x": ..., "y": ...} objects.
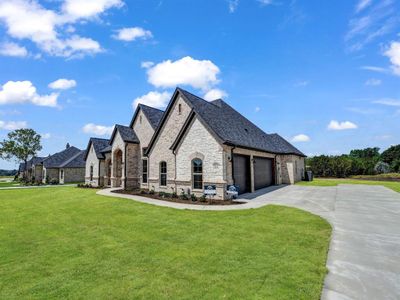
[
  {"x": 395, "y": 186},
  {"x": 71, "y": 243},
  {"x": 9, "y": 184}
]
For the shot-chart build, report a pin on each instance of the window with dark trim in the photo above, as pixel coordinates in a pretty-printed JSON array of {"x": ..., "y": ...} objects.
[
  {"x": 62, "y": 174},
  {"x": 163, "y": 173},
  {"x": 197, "y": 173},
  {"x": 91, "y": 173},
  {"x": 144, "y": 170},
  {"x": 179, "y": 108}
]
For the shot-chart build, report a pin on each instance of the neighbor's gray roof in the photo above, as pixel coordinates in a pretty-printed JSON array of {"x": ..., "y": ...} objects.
[
  {"x": 56, "y": 160},
  {"x": 98, "y": 145},
  {"x": 154, "y": 115},
  {"x": 34, "y": 161},
  {"x": 127, "y": 134},
  {"x": 21, "y": 167},
  {"x": 107, "y": 149},
  {"x": 77, "y": 161},
  {"x": 234, "y": 129}
]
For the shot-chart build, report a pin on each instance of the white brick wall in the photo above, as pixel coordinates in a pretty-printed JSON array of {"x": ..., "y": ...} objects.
[
  {"x": 92, "y": 160},
  {"x": 199, "y": 143}
]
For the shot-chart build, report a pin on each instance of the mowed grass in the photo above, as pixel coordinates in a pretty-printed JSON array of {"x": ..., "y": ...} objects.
[
  {"x": 71, "y": 243},
  {"x": 9, "y": 184},
  {"x": 395, "y": 186}
]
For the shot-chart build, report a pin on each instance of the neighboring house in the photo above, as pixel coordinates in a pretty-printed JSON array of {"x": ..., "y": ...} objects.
[
  {"x": 21, "y": 170},
  {"x": 196, "y": 143},
  {"x": 96, "y": 156},
  {"x": 65, "y": 166},
  {"x": 35, "y": 169}
]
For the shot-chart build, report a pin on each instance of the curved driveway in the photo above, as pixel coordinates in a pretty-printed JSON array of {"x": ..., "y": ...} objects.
[{"x": 364, "y": 254}]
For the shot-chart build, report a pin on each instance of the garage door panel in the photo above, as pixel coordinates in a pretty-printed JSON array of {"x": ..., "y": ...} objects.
[
  {"x": 263, "y": 172},
  {"x": 241, "y": 172}
]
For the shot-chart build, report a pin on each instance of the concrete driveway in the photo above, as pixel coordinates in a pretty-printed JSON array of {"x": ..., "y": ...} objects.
[{"x": 364, "y": 255}]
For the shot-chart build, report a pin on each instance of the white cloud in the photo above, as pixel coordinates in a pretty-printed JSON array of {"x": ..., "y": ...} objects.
[
  {"x": 362, "y": 4},
  {"x": 97, "y": 129},
  {"x": 133, "y": 33},
  {"x": 373, "y": 82},
  {"x": 18, "y": 92},
  {"x": 13, "y": 49},
  {"x": 214, "y": 94},
  {"x": 153, "y": 99},
  {"x": 300, "y": 138},
  {"x": 265, "y": 2},
  {"x": 146, "y": 64},
  {"x": 51, "y": 30},
  {"x": 78, "y": 9},
  {"x": 232, "y": 5},
  {"x": 335, "y": 125},
  {"x": 374, "y": 69},
  {"x": 394, "y": 55},
  {"x": 62, "y": 84},
  {"x": 45, "y": 136},
  {"x": 12, "y": 125},
  {"x": 200, "y": 74},
  {"x": 302, "y": 83},
  {"x": 388, "y": 102},
  {"x": 257, "y": 109}
]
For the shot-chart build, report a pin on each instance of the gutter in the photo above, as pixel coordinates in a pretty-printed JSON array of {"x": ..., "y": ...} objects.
[{"x": 233, "y": 173}]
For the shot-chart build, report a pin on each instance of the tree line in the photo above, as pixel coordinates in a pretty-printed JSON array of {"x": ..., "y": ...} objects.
[{"x": 368, "y": 161}]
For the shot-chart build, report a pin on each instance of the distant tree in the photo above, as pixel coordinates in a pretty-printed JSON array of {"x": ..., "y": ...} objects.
[
  {"x": 21, "y": 145},
  {"x": 382, "y": 168},
  {"x": 395, "y": 166},
  {"x": 391, "y": 154},
  {"x": 365, "y": 153}
]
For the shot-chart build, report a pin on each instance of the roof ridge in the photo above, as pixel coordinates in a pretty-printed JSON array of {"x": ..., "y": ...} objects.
[{"x": 141, "y": 104}]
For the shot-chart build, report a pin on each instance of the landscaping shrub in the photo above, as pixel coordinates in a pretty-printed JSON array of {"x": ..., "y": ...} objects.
[{"x": 193, "y": 197}]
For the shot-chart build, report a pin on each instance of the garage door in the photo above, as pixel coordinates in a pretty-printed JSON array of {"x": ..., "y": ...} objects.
[
  {"x": 241, "y": 172},
  {"x": 263, "y": 172}
]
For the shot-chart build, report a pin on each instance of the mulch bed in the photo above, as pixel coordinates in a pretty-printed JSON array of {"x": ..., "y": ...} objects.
[{"x": 177, "y": 200}]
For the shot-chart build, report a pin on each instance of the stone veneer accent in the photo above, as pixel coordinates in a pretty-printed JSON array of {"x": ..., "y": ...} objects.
[{"x": 92, "y": 160}]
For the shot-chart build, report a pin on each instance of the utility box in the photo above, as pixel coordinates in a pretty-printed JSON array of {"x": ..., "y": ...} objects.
[{"x": 309, "y": 176}]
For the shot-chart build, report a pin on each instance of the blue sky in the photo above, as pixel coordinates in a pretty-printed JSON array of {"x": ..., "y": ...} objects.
[{"x": 323, "y": 74}]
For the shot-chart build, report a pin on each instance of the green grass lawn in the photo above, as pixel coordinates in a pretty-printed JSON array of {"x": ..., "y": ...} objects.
[
  {"x": 395, "y": 186},
  {"x": 71, "y": 243},
  {"x": 9, "y": 184}
]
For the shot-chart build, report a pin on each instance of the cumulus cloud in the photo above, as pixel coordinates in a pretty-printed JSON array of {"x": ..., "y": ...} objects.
[
  {"x": 99, "y": 130},
  {"x": 153, "y": 99},
  {"x": 50, "y": 30},
  {"x": 78, "y": 9},
  {"x": 394, "y": 55},
  {"x": 132, "y": 33},
  {"x": 13, "y": 49},
  {"x": 200, "y": 74},
  {"x": 388, "y": 102},
  {"x": 214, "y": 94},
  {"x": 12, "y": 125},
  {"x": 335, "y": 125},
  {"x": 300, "y": 138},
  {"x": 373, "y": 82},
  {"x": 18, "y": 92},
  {"x": 62, "y": 84}
]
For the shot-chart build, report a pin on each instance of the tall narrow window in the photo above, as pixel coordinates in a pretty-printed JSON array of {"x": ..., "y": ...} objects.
[
  {"x": 163, "y": 173},
  {"x": 197, "y": 171},
  {"x": 140, "y": 119},
  {"x": 179, "y": 108},
  {"x": 144, "y": 170},
  {"x": 62, "y": 174},
  {"x": 91, "y": 173}
]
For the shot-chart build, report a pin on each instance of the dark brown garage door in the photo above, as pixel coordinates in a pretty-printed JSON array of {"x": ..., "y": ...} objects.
[
  {"x": 263, "y": 172},
  {"x": 241, "y": 172}
]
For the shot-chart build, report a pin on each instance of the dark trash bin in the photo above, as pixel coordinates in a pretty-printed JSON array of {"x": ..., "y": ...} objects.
[{"x": 309, "y": 176}]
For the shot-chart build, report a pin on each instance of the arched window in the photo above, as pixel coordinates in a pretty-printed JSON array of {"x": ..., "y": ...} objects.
[
  {"x": 179, "y": 108},
  {"x": 91, "y": 173},
  {"x": 163, "y": 173},
  {"x": 197, "y": 173}
]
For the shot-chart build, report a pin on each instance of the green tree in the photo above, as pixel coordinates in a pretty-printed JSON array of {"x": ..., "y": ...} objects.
[
  {"x": 365, "y": 153},
  {"x": 391, "y": 154},
  {"x": 21, "y": 145}
]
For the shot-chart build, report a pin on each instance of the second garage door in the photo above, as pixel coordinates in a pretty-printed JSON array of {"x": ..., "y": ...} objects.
[{"x": 263, "y": 172}]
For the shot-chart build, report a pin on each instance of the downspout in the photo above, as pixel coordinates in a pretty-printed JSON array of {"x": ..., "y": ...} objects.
[
  {"x": 173, "y": 151},
  {"x": 98, "y": 178},
  {"x": 233, "y": 173},
  {"x": 275, "y": 170},
  {"x": 126, "y": 144}
]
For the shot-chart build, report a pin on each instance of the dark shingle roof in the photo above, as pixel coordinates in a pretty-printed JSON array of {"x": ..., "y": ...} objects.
[
  {"x": 55, "y": 160},
  {"x": 77, "y": 161},
  {"x": 233, "y": 128},
  {"x": 34, "y": 161},
  {"x": 99, "y": 145},
  {"x": 154, "y": 115},
  {"x": 127, "y": 134},
  {"x": 107, "y": 149},
  {"x": 21, "y": 167}
]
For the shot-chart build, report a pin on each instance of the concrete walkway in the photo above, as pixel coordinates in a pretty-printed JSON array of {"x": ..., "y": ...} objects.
[
  {"x": 364, "y": 254},
  {"x": 20, "y": 187}
]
